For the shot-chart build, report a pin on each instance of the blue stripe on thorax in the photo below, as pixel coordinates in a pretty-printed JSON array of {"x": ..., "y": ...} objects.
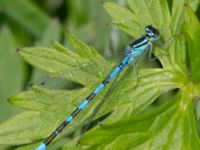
[{"x": 139, "y": 50}]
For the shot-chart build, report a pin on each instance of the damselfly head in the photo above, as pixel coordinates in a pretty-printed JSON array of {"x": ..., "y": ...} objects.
[{"x": 152, "y": 32}]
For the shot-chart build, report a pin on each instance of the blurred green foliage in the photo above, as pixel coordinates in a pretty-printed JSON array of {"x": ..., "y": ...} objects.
[
  {"x": 26, "y": 23},
  {"x": 34, "y": 22}
]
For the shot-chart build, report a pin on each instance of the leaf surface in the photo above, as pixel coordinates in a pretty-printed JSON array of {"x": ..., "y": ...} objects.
[{"x": 133, "y": 121}]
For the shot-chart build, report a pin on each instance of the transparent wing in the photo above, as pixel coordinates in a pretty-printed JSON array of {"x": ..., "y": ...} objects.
[
  {"x": 55, "y": 82},
  {"x": 66, "y": 78},
  {"x": 104, "y": 99},
  {"x": 56, "y": 100},
  {"x": 52, "y": 82},
  {"x": 98, "y": 107}
]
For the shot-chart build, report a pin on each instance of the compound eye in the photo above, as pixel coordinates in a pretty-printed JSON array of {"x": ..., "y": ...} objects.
[
  {"x": 146, "y": 29},
  {"x": 150, "y": 30},
  {"x": 156, "y": 33}
]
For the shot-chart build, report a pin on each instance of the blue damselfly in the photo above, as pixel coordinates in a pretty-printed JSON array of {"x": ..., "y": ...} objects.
[{"x": 132, "y": 51}]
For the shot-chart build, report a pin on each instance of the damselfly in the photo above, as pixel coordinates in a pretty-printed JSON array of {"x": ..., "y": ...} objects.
[{"x": 132, "y": 52}]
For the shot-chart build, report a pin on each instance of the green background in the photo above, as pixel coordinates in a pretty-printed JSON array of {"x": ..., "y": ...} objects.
[{"x": 37, "y": 23}]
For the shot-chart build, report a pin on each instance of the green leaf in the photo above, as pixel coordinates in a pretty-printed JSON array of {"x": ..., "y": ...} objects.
[
  {"x": 51, "y": 33},
  {"x": 157, "y": 129},
  {"x": 198, "y": 115},
  {"x": 194, "y": 4},
  {"x": 12, "y": 71},
  {"x": 123, "y": 16},
  {"x": 26, "y": 14},
  {"x": 82, "y": 49},
  {"x": 125, "y": 105},
  {"x": 178, "y": 11},
  {"x": 192, "y": 29},
  {"x": 61, "y": 61},
  {"x": 130, "y": 118},
  {"x": 98, "y": 32},
  {"x": 53, "y": 60},
  {"x": 177, "y": 16},
  {"x": 144, "y": 13}
]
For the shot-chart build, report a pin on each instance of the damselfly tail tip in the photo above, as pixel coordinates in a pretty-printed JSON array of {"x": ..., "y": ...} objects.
[{"x": 41, "y": 147}]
